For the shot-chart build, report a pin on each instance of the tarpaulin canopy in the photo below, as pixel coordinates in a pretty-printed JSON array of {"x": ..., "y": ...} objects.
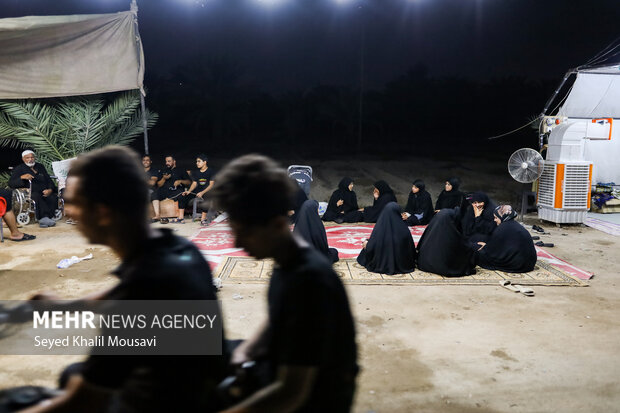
[
  {"x": 46, "y": 56},
  {"x": 595, "y": 94}
]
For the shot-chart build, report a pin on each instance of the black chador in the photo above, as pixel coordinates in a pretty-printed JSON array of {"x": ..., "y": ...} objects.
[
  {"x": 419, "y": 205},
  {"x": 443, "y": 249},
  {"x": 390, "y": 249},
  {"x": 386, "y": 195},
  {"x": 479, "y": 228},
  {"x": 452, "y": 198},
  {"x": 510, "y": 248},
  {"x": 311, "y": 229},
  {"x": 348, "y": 210}
]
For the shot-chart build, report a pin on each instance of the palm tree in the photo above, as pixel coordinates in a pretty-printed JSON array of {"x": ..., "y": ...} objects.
[{"x": 64, "y": 128}]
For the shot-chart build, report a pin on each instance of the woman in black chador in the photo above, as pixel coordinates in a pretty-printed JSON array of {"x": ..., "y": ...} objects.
[
  {"x": 450, "y": 197},
  {"x": 510, "y": 248},
  {"x": 383, "y": 195},
  {"x": 419, "y": 209},
  {"x": 443, "y": 249},
  {"x": 478, "y": 223},
  {"x": 390, "y": 249},
  {"x": 311, "y": 229},
  {"x": 342, "y": 205}
]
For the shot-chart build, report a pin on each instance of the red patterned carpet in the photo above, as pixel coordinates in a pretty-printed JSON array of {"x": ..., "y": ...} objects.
[{"x": 217, "y": 242}]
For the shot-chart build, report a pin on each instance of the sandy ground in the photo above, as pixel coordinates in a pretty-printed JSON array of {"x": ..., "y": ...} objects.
[{"x": 422, "y": 348}]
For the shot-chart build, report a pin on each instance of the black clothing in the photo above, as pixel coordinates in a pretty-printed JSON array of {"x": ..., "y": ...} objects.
[
  {"x": 450, "y": 199},
  {"x": 45, "y": 206},
  {"x": 443, "y": 249},
  {"x": 478, "y": 229},
  {"x": 153, "y": 173},
  {"x": 509, "y": 249},
  {"x": 348, "y": 211},
  {"x": 386, "y": 195},
  {"x": 311, "y": 229},
  {"x": 298, "y": 200},
  {"x": 202, "y": 179},
  {"x": 167, "y": 268},
  {"x": 390, "y": 249},
  {"x": 168, "y": 190},
  {"x": 7, "y": 194},
  {"x": 310, "y": 324},
  {"x": 419, "y": 203}
]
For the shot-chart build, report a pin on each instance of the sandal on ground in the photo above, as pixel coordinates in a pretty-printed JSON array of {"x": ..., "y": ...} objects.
[
  {"x": 163, "y": 220},
  {"x": 26, "y": 237},
  {"x": 538, "y": 229},
  {"x": 544, "y": 244},
  {"x": 177, "y": 221},
  {"x": 507, "y": 284},
  {"x": 204, "y": 223}
]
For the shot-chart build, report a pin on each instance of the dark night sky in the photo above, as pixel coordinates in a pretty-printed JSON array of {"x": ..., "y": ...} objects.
[{"x": 302, "y": 43}]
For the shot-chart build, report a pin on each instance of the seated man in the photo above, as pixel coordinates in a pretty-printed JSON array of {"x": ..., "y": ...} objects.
[
  {"x": 309, "y": 337},
  {"x": 46, "y": 202},
  {"x": 152, "y": 175},
  {"x": 171, "y": 184},
  {"x": 202, "y": 182},
  {"x": 155, "y": 265},
  {"x": 9, "y": 218}
]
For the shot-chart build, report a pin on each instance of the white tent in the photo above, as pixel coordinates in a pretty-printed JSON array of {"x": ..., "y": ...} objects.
[
  {"x": 595, "y": 94},
  {"x": 45, "y": 56}
]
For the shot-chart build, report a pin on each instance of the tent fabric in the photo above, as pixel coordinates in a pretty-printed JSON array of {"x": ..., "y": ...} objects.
[
  {"x": 595, "y": 94},
  {"x": 47, "y": 56}
]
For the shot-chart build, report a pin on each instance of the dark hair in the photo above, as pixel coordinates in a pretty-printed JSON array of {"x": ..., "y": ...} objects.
[
  {"x": 202, "y": 156},
  {"x": 146, "y": 155},
  {"x": 419, "y": 184},
  {"x": 170, "y": 156},
  {"x": 253, "y": 189},
  {"x": 113, "y": 176}
]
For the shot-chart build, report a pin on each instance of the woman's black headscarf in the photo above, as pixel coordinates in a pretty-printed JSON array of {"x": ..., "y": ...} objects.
[
  {"x": 450, "y": 199},
  {"x": 310, "y": 228},
  {"x": 390, "y": 249},
  {"x": 509, "y": 249},
  {"x": 348, "y": 197},
  {"x": 478, "y": 229},
  {"x": 419, "y": 203},
  {"x": 386, "y": 195},
  {"x": 443, "y": 249}
]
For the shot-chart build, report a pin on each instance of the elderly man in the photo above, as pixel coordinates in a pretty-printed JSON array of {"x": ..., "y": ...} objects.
[{"x": 33, "y": 173}]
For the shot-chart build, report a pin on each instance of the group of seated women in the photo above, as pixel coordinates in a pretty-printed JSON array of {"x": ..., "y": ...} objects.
[
  {"x": 459, "y": 235},
  {"x": 342, "y": 206}
]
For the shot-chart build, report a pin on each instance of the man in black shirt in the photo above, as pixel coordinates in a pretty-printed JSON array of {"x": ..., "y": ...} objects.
[
  {"x": 309, "y": 337},
  {"x": 202, "y": 182},
  {"x": 171, "y": 184},
  {"x": 43, "y": 188},
  {"x": 152, "y": 175},
  {"x": 155, "y": 265}
]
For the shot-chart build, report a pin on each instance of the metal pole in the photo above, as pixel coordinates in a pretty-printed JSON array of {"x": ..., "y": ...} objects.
[
  {"x": 360, "y": 124},
  {"x": 134, "y": 9}
]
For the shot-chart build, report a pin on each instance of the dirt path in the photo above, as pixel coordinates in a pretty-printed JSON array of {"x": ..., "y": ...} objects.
[{"x": 428, "y": 349}]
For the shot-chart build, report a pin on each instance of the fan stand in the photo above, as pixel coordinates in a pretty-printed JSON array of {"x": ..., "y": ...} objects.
[{"x": 525, "y": 196}]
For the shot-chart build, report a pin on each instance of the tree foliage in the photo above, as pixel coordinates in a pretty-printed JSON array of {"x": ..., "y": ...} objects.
[{"x": 64, "y": 128}]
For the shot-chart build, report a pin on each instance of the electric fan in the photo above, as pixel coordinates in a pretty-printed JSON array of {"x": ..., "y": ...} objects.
[{"x": 525, "y": 165}]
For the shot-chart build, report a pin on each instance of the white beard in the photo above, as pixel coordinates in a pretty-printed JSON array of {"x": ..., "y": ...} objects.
[{"x": 30, "y": 164}]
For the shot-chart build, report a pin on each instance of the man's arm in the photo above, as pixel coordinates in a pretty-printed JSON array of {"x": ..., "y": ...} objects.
[
  {"x": 16, "y": 180},
  {"x": 191, "y": 188},
  {"x": 80, "y": 396},
  {"x": 207, "y": 189},
  {"x": 289, "y": 392}
]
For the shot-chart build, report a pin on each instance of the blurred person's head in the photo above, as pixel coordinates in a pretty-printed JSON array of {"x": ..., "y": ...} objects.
[
  {"x": 257, "y": 195},
  {"x": 107, "y": 194}
]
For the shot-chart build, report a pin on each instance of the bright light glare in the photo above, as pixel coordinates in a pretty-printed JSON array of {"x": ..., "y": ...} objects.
[
  {"x": 343, "y": 1},
  {"x": 271, "y": 3}
]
